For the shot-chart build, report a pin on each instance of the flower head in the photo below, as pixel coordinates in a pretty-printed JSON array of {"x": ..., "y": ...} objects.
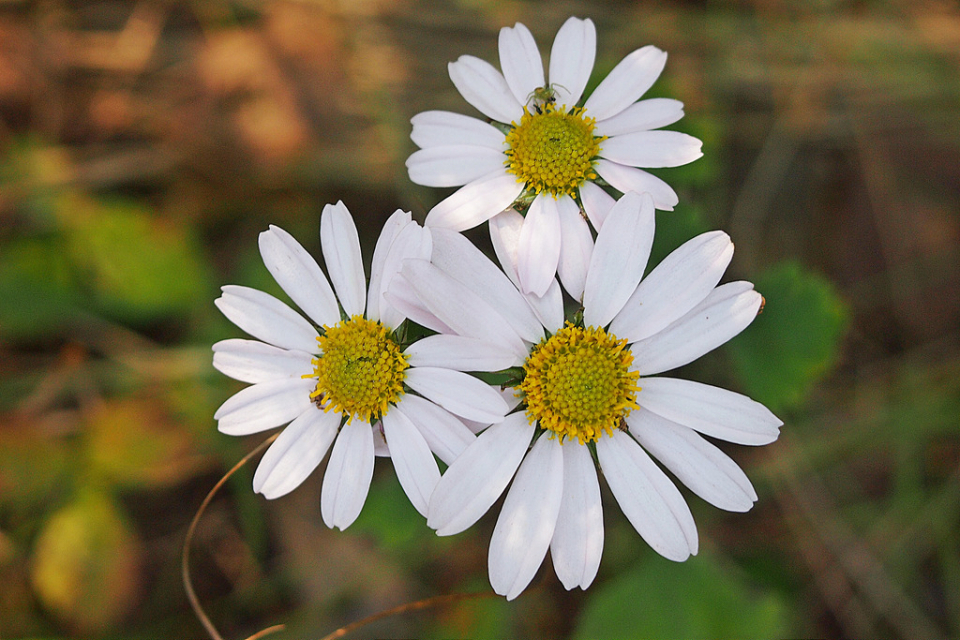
[
  {"x": 593, "y": 386},
  {"x": 344, "y": 378},
  {"x": 547, "y": 146}
]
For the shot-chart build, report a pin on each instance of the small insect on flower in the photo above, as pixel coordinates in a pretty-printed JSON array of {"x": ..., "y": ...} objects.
[{"x": 543, "y": 96}]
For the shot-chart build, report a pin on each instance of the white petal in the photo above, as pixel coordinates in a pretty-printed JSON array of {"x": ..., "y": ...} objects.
[
  {"x": 597, "y": 203},
  {"x": 477, "y": 478},
  {"x": 624, "y": 179},
  {"x": 349, "y": 472},
  {"x": 404, "y": 300},
  {"x": 465, "y": 312},
  {"x": 619, "y": 257},
  {"x": 539, "y": 250},
  {"x": 707, "y": 326},
  {"x": 412, "y": 242},
  {"x": 299, "y": 276},
  {"x": 576, "y": 246},
  {"x": 485, "y": 88},
  {"x": 459, "y": 258},
  {"x": 391, "y": 229},
  {"x": 445, "y": 434},
  {"x": 441, "y": 128},
  {"x": 507, "y": 394},
  {"x": 505, "y": 237},
  {"x": 266, "y": 318},
  {"x": 710, "y": 410},
  {"x": 294, "y": 455},
  {"x": 458, "y": 353},
  {"x": 706, "y": 470},
  {"x": 252, "y": 361},
  {"x": 476, "y": 202},
  {"x": 626, "y": 83},
  {"x": 453, "y": 165},
  {"x": 652, "y": 149},
  {"x": 578, "y": 539},
  {"x": 380, "y": 448},
  {"x": 641, "y": 116},
  {"x": 341, "y": 252},
  {"x": 652, "y": 503},
  {"x": 457, "y": 392},
  {"x": 264, "y": 406},
  {"x": 675, "y": 286},
  {"x": 520, "y": 61},
  {"x": 526, "y": 523},
  {"x": 416, "y": 468},
  {"x": 571, "y": 59}
]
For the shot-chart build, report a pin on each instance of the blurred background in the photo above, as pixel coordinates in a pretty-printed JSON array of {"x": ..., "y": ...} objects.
[{"x": 143, "y": 146}]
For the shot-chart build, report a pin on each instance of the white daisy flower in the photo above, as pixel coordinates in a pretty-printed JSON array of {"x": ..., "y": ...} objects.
[
  {"x": 546, "y": 146},
  {"x": 349, "y": 383},
  {"x": 593, "y": 388}
]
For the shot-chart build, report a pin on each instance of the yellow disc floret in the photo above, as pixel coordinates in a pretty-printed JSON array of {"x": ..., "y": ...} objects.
[
  {"x": 359, "y": 371},
  {"x": 553, "y": 150},
  {"x": 578, "y": 383}
]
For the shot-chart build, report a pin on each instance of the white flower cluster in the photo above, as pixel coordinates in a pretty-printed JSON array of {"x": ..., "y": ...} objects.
[{"x": 582, "y": 396}]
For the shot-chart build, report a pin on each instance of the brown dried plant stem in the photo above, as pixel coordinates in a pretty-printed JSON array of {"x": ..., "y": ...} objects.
[{"x": 187, "y": 583}]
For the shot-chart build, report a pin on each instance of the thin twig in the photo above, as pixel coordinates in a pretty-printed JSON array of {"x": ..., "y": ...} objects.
[{"x": 187, "y": 583}]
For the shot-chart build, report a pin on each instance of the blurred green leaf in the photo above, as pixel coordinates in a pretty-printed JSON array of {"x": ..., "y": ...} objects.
[
  {"x": 86, "y": 564},
  {"x": 794, "y": 341},
  {"x": 700, "y": 598},
  {"x": 37, "y": 292},
  {"x": 138, "y": 267},
  {"x": 33, "y": 466}
]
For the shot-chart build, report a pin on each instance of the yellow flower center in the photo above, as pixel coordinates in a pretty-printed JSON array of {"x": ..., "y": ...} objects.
[
  {"x": 578, "y": 383},
  {"x": 359, "y": 370},
  {"x": 553, "y": 150}
]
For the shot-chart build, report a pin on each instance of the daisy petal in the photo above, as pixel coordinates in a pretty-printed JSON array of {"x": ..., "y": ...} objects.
[
  {"x": 652, "y": 503},
  {"x": 412, "y": 242},
  {"x": 459, "y": 258},
  {"x": 299, "y": 276},
  {"x": 403, "y": 298},
  {"x": 571, "y": 59},
  {"x": 706, "y": 470},
  {"x": 264, "y": 406},
  {"x": 266, "y": 318},
  {"x": 652, "y": 149},
  {"x": 576, "y": 245},
  {"x": 458, "y": 353},
  {"x": 440, "y": 128},
  {"x": 539, "y": 250},
  {"x": 349, "y": 472},
  {"x": 391, "y": 228},
  {"x": 619, "y": 257},
  {"x": 578, "y": 539},
  {"x": 675, "y": 286},
  {"x": 507, "y": 394},
  {"x": 710, "y": 410},
  {"x": 456, "y": 306},
  {"x": 446, "y": 435},
  {"x": 416, "y": 468},
  {"x": 252, "y": 361},
  {"x": 626, "y": 83},
  {"x": 341, "y": 252},
  {"x": 597, "y": 203},
  {"x": 294, "y": 455},
  {"x": 711, "y": 323},
  {"x": 624, "y": 179},
  {"x": 528, "y": 518},
  {"x": 476, "y": 202},
  {"x": 458, "y": 392},
  {"x": 452, "y": 165},
  {"x": 641, "y": 116},
  {"x": 477, "y": 478},
  {"x": 520, "y": 61},
  {"x": 485, "y": 88}
]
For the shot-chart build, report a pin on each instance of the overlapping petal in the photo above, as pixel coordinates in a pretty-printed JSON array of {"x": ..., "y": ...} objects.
[
  {"x": 485, "y": 88},
  {"x": 341, "y": 252},
  {"x": 348, "y": 476},
  {"x": 577, "y": 543},
  {"x": 297, "y": 451}
]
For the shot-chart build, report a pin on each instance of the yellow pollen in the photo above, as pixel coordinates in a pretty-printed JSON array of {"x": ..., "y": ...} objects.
[
  {"x": 578, "y": 383},
  {"x": 359, "y": 370},
  {"x": 553, "y": 150}
]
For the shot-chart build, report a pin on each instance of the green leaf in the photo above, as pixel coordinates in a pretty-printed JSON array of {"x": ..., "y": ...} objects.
[
  {"x": 794, "y": 341},
  {"x": 86, "y": 564},
  {"x": 699, "y": 598},
  {"x": 37, "y": 292}
]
